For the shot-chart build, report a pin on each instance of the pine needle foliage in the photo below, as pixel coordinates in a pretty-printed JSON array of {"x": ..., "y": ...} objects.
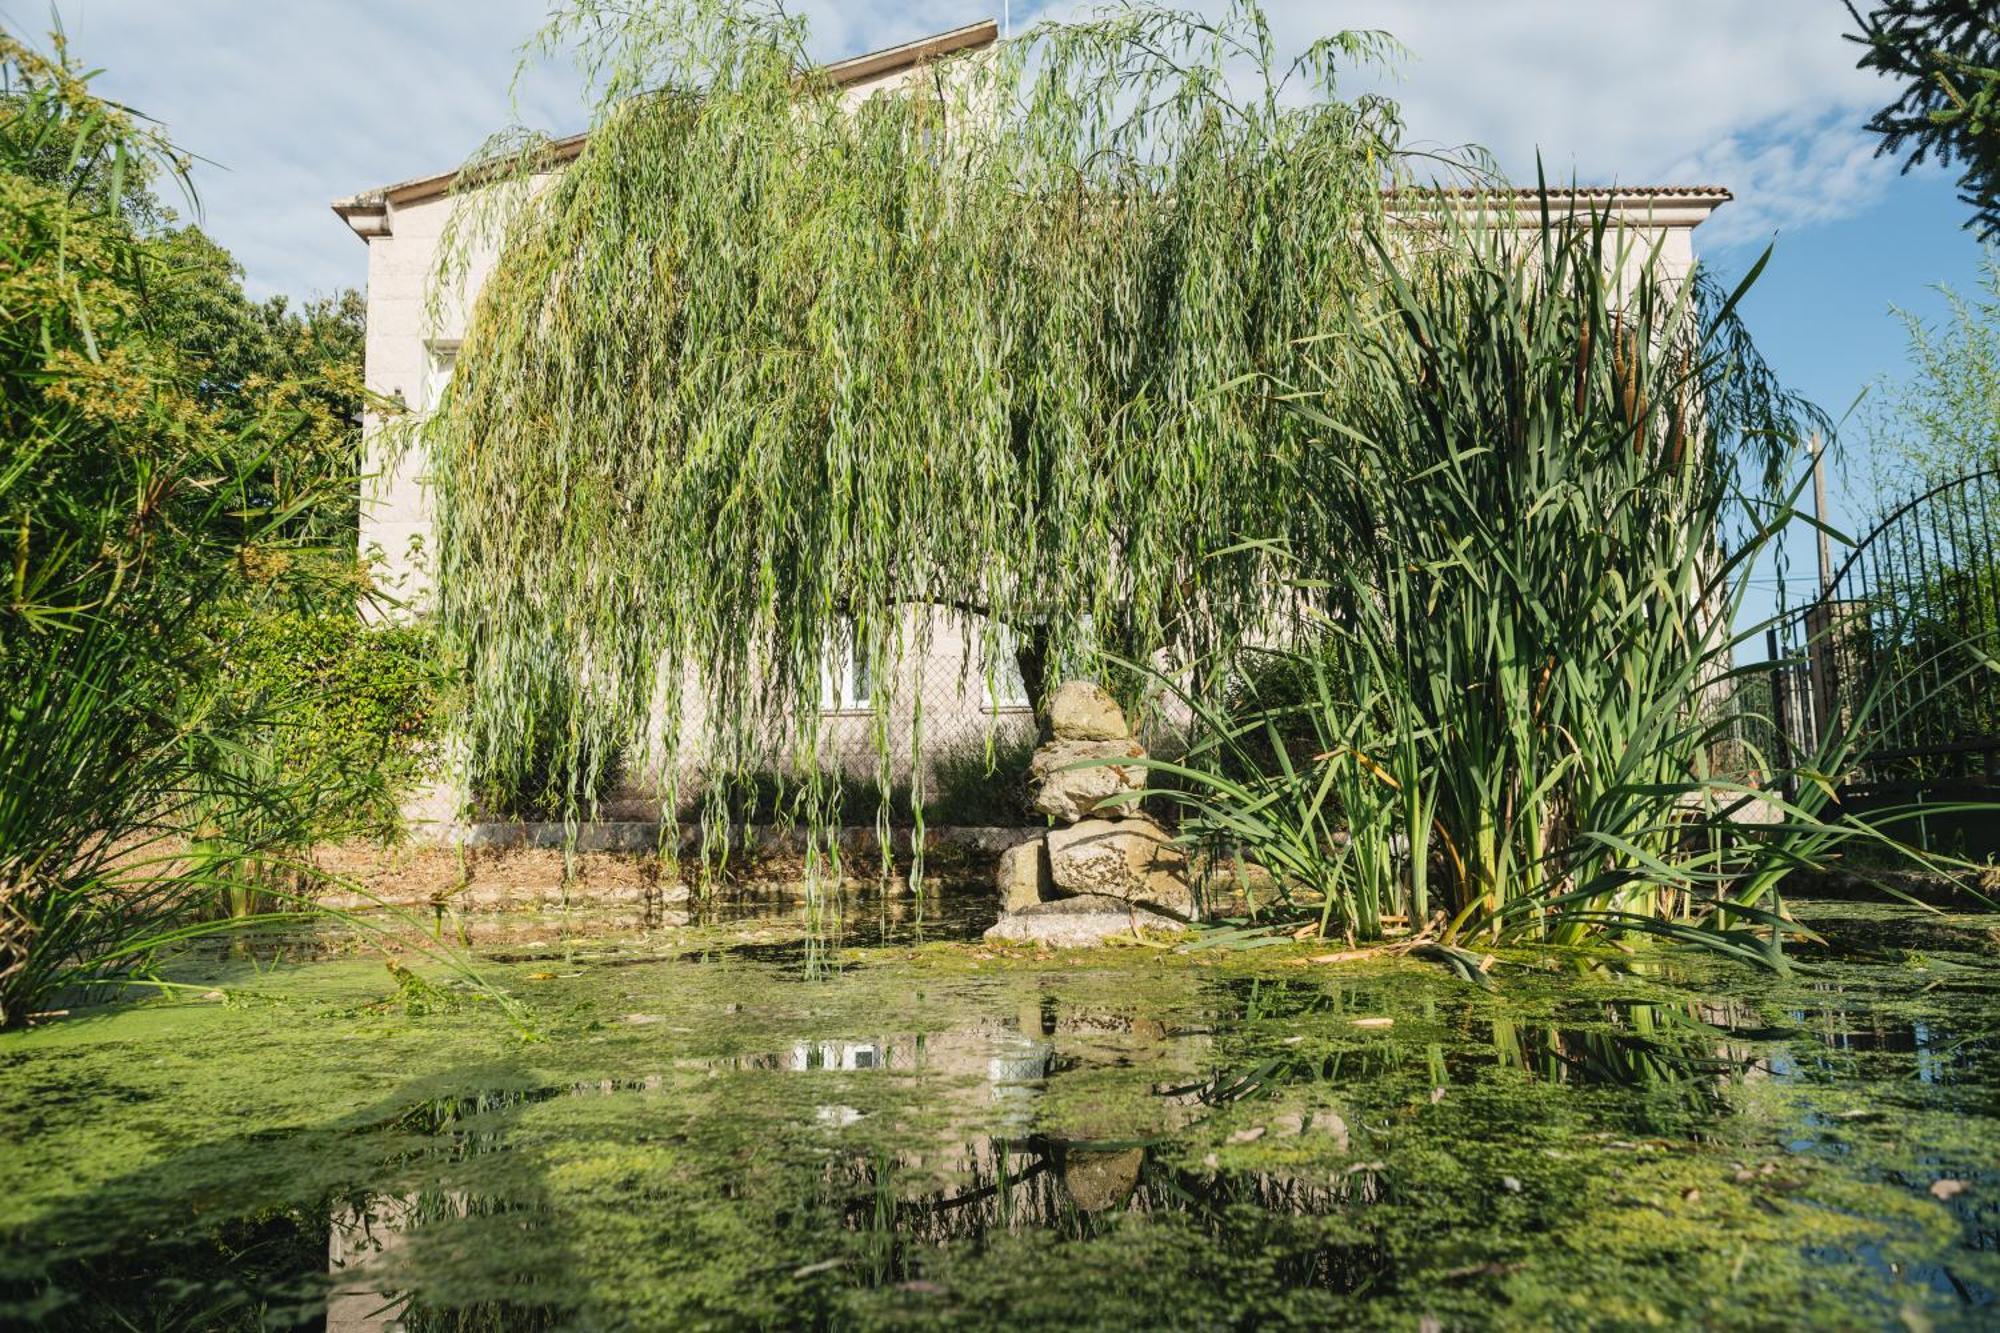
[
  {"x": 1945, "y": 57},
  {"x": 768, "y": 358}
]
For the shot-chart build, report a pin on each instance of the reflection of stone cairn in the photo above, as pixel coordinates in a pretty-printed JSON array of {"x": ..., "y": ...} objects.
[{"x": 1109, "y": 867}]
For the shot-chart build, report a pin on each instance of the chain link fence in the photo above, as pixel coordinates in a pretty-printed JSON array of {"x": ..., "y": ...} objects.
[{"x": 952, "y": 738}]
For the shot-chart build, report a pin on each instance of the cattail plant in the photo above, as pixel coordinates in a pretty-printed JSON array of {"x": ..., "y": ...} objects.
[{"x": 1535, "y": 494}]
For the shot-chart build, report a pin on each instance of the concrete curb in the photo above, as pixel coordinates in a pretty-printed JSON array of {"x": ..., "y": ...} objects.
[{"x": 640, "y": 836}]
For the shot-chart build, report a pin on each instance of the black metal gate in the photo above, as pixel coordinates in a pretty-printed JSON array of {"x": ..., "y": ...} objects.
[{"x": 1899, "y": 650}]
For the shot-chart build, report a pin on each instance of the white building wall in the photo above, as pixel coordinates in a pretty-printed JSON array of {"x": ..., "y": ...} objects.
[
  {"x": 403, "y": 347},
  {"x": 396, "y": 507}
]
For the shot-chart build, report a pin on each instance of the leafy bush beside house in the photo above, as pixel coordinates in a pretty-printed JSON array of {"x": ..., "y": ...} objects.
[
  {"x": 345, "y": 705},
  {"x": 304, "y": 360},
  {"x": 151, "y": 504}
]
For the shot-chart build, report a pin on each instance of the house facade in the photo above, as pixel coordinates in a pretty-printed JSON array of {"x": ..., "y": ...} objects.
[
  {"x": 411, "y": 349},
  {"x": 409, "y": 359}
]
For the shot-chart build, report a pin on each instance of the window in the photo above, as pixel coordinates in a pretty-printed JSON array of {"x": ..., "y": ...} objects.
[
  {"x": 1003, "y": 669},
  {"x": 844, "y": 684},
  {"x": 440, "y": 359}
]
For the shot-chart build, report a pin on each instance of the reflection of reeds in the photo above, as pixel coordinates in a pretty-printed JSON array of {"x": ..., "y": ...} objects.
[
  {"x": 366, "y": 1239},
  {"x": 1680, "y": 1050}
]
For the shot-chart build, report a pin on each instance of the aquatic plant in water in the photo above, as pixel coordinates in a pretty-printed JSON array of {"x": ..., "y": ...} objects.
[
  {"x": 1139, "y": 1140},
  {"x": 1115, "y": 337},
  {"x": 1541, "y": 484}
]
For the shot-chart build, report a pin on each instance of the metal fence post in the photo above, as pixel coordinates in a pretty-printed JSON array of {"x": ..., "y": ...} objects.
[{"x": 1780, "y": 714}]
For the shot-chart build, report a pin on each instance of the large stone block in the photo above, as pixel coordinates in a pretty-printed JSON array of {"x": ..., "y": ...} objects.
[
  {"x": 1083, "y": 711},
  {"x": 1231, "y": 885},
  {"x": 1023, "y": 876},
  {"x": 1069, "y": 793},
  {"x": 1100, "y": 1180},
  {"x": 1129, "y": 859},
  {"x": 1078, "y": 923}
]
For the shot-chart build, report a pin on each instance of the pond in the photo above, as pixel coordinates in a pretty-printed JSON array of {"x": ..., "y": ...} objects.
[{"x": 716, "y": 1125}]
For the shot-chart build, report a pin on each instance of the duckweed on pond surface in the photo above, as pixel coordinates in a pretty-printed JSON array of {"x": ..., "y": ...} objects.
[{"x": 930, "y": 1134}]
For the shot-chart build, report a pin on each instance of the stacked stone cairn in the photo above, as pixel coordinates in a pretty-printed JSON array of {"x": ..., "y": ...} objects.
[{"x": 1107, "y": 869}]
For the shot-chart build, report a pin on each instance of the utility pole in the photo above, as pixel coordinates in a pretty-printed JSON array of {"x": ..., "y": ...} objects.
[
  {"x": 1819, "y": 512},
  {"x": 1823, "y": 623}
]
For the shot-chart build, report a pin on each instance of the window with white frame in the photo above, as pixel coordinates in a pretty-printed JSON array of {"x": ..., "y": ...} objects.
[
  {"x": 1004, "y": 688},
  {"x": 440, "y": 359},
  {"x": 844, "y": 685}
]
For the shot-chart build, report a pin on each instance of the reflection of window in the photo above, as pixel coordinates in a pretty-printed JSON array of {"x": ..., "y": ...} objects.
[
  {"x": 1003, "y": 669},
  {"x": 439, "y": 361},
  {"x": 844, "y": 680}
]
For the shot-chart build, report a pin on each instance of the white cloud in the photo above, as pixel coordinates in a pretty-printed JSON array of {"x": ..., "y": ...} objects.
[
  {"x": 1760, "y": 96},
  {"x": 307, "y": 100},
  {"x": 295, "y": 103},
  {"x": 1787, "y": 174}
]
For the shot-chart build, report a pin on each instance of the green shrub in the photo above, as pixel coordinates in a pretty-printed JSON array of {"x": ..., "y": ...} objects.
[
  {"x": 144, "y": 510},
  {"x": 968, "y": 790},
  {"x": 346, "y": 707}
]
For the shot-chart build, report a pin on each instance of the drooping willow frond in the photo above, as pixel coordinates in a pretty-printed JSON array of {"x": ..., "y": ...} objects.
[
  {"x": 763, "y": 361},
  {"x": 767, "y": 364}
]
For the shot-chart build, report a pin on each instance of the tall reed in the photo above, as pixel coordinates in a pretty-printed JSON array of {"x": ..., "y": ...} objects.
[
  {"x": 138, "y": 800},
  {"x": 1538, "y": 490}
]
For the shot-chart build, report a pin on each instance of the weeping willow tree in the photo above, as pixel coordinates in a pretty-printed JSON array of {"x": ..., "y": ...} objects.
[
  {"x": 766, "y": 361},
  {"x": 1026, "y": 341}
]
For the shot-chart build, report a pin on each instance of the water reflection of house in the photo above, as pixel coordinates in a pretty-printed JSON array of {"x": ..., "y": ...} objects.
[{"x": 992, "y": 1163}]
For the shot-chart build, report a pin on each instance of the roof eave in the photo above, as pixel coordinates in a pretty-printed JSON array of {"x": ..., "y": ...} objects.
[
  {"x": 1659, "y": 205},
  {"x": 368, "y": 213}
]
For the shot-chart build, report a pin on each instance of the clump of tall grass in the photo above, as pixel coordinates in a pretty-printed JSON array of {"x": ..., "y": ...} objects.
[
  {"x": 1539, "y": 488},
  {"x": 141, "y": 797}
]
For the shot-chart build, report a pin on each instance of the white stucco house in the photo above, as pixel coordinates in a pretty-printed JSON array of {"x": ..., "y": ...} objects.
[{"x": 410, "y": 359}]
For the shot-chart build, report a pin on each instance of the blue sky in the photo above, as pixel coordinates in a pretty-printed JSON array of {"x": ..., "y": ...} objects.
[{"x": 296, "y": 102}]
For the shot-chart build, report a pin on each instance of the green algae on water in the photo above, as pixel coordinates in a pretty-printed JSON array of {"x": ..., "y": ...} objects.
[{"x": 934, "y": 1135}]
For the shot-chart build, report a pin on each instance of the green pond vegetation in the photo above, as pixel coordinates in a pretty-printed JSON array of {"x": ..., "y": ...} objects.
[
  {"x": 1152, "y": 350},
  {"x": 946, "y": 1135},
  {"x": 1502, "y": 510},
  {"x": 1419, "y": 550}
]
